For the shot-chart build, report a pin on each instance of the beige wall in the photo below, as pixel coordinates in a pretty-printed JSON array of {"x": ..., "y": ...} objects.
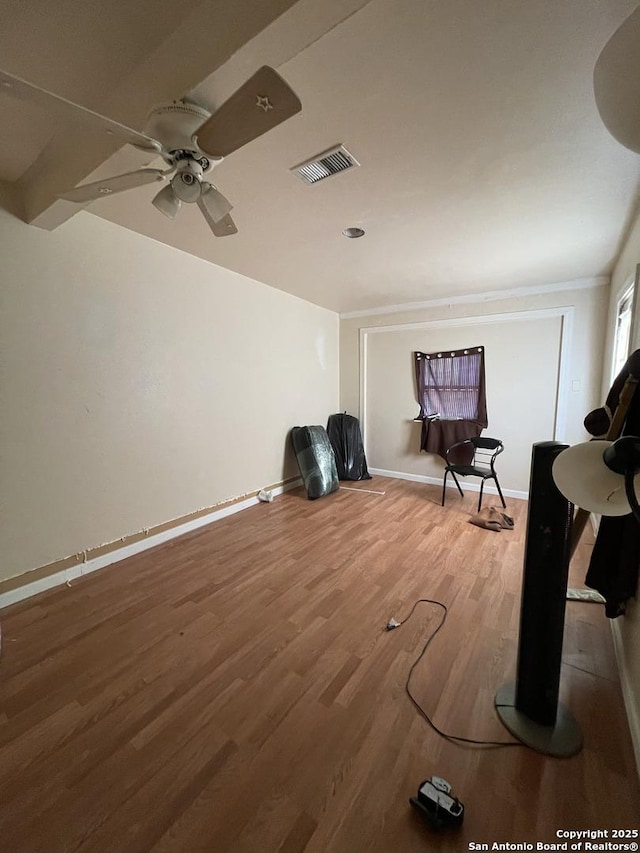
[
  {"x": 390, "y": 388},
  {"x": 627, "y": 627},
  {"x": 520, "y": 401},
  {"x": 138, "y": 384}
]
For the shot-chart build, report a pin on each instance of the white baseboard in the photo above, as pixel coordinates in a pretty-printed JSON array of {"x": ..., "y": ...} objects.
[
  {"x": 631, "y": 701},
  {"x": 437, "y": 481},
  {"x": 12, "y": 596}
]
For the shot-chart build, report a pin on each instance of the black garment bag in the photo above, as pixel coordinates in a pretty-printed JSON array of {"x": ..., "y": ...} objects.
[{"x": 348, "y": 449}]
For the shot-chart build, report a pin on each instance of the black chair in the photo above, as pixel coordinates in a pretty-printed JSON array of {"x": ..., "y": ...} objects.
[{"x": 482, "y": 453}]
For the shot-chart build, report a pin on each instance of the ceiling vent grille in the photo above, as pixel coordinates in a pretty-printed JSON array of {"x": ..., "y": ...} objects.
[{"x": 331, "y": 162}]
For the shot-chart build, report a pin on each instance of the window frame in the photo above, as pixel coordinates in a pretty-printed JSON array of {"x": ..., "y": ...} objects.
[
  {"x": 624, "y": 330},
  {"x": 458, "y": 391}
]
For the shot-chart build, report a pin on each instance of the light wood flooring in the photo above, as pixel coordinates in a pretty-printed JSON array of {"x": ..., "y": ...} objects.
[{"x": 234, "y": 691}]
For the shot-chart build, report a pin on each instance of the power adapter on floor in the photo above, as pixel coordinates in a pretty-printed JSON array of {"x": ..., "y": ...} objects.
[
  {"x": 437, "y": 805},
  {"x": 393, "y": 623}
]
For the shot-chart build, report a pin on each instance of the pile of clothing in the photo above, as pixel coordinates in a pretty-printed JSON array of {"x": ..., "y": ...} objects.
[{"x": 493, "y": 518}]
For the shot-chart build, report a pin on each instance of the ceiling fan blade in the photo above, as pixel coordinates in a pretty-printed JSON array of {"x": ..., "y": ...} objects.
[
  {"x": 261, "y": 104},
  {"x": 216, "y": 204},
  {"x": 23, "y": 91},
  {"x": 117, "y": 184},
  {"x": 616, "y": 83},
  {"x": 224, "y": 227}
]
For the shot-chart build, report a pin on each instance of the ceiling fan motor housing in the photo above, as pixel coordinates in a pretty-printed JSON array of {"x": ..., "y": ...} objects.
[{"x": 174, "y": 125}]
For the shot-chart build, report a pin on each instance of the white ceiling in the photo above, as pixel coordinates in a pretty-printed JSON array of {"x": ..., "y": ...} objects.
[{"x": 485, "y": 165}]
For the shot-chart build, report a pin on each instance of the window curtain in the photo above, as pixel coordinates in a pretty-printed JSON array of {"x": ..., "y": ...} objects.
[{"x": 452, "y": 397}]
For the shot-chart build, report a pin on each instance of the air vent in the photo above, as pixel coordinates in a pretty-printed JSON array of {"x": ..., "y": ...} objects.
[{"x": 331, "y": 162}]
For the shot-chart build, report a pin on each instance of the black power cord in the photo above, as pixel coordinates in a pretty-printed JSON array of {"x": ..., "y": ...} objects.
[{"x": 457, "y": 740}]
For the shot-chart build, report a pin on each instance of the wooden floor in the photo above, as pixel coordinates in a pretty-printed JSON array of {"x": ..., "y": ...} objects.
[{"x": 234, "y": 691}]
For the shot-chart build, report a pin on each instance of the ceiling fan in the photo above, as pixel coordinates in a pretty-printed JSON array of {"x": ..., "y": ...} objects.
[
  {"x": 616, "y": 83},
  {"x": 187, "y": 137}
]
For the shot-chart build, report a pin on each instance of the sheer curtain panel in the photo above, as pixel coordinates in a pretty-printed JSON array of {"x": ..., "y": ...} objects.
[{"x": 452, "y": 397}]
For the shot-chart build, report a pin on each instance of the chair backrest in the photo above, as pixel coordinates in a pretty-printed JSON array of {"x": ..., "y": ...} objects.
[{"x": 485, "y": 451}]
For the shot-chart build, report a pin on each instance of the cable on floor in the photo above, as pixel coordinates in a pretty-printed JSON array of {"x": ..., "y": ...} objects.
[{"x": 457, "y": 740}]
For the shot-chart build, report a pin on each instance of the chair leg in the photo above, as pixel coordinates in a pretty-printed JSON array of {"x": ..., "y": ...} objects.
[
  {"x": 480, "y": 498},
  {"x": 444, "y": 486},
  {"x": 500, "y": 493},
  {"x": 453, "y": 474}
]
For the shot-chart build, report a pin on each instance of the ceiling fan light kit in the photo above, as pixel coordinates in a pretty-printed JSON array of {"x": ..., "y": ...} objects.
[
  {"x": 186, "y": 136},
  {"x": 187, "y": 181},
  {"x": 167, "y": 202},
  {"x": 215, "y": 203}
]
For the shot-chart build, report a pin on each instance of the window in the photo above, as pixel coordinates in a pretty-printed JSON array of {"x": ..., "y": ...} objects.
[
  {"x": 622, "y": 339},
  {"x": 451, "y": 385},
  {"x": 451, "y": 393}
]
